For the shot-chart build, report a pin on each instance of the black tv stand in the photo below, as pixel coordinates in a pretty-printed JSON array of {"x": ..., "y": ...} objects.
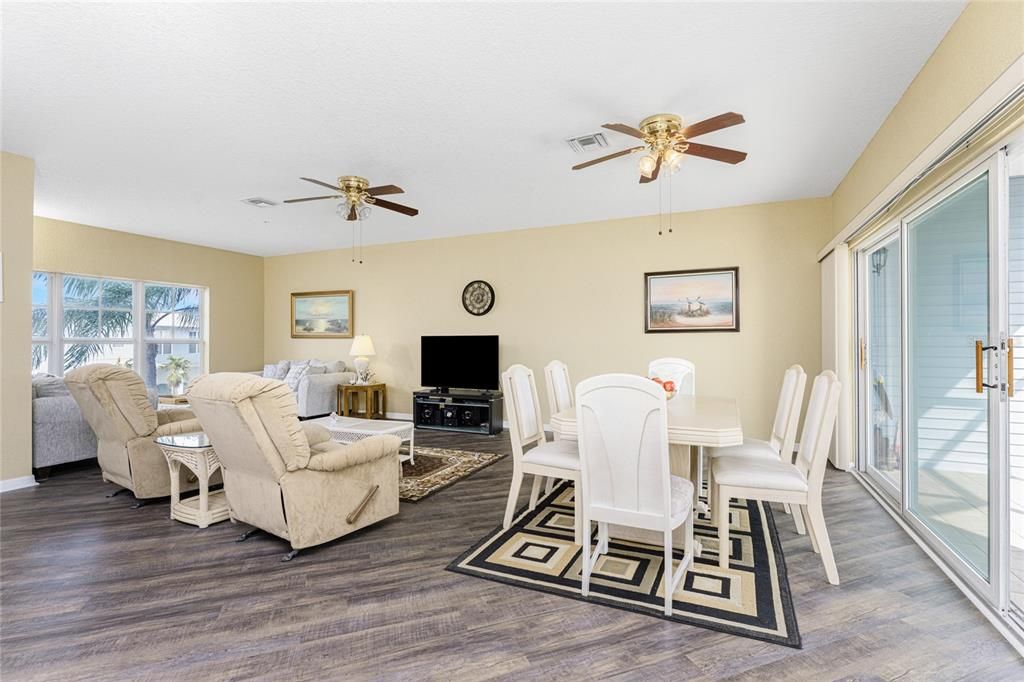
[{"x": 462, "y": 410}]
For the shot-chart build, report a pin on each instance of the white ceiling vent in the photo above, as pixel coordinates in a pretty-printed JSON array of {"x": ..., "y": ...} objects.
[
  {"x": 588, "y": 142},
  {"x": 259, "y": 202}
]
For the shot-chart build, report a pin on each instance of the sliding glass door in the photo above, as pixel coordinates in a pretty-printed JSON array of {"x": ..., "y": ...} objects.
[
  {"x": 881, "y": 376},
  {"x": 940, "y": 301},
  {"x": 952, "y": 377}
]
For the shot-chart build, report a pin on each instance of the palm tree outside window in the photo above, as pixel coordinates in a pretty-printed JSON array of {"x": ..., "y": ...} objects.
[{"x": 131, "y": 323}]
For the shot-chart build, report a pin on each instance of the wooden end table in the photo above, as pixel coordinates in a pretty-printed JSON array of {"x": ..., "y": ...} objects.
[
  {"x": 195, "y": 452},
  {"x": 374, "y": 398}
]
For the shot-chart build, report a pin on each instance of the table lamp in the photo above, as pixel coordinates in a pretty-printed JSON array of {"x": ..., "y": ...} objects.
[{"x": 362, "y": 348}]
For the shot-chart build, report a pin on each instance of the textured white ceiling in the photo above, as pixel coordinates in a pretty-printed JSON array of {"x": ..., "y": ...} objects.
[{"x": 158, "y": 118}]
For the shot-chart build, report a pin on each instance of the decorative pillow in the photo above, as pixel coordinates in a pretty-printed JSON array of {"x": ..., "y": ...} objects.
[
  {"x": 282, "y": 369},
  {"x": 270, "y": 371},
  {"x": 334, "y": 367},
  {"x": 317, "y": 369},
  {"x": 49, "y": 387},
  {"x": 297, "y": 370}
]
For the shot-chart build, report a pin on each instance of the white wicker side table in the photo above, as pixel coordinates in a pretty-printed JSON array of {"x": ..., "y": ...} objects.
[{"x": 195, "y": 452}]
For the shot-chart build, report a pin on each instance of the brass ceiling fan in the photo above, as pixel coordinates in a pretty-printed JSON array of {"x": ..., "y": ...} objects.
[
  {"x": 358, "y": 197},
  {"x": 666, "y": 140}
]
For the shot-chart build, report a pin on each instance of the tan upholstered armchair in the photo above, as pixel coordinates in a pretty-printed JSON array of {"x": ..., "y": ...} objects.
[
  {"x": 114, "y": 401},
  {"x": 288, "y": 478}
]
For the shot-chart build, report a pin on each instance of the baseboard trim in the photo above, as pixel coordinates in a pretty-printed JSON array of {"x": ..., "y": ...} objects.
[
  {"x": 10, "y": 484},
  {"x": 1014, "y": 637}
]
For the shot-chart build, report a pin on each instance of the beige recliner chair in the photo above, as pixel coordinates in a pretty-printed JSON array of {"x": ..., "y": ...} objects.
[
  {"x": 289, "y": 478},
  {"x": 113, "y": 400}
]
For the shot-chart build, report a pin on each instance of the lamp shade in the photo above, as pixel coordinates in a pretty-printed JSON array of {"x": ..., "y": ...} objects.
[{"x": 362, "y": 346}]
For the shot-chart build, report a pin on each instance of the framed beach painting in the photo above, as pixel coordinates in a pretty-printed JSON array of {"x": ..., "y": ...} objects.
[
  {"x": 692, "y": 301},
  {"x": 322, "y": 315}
]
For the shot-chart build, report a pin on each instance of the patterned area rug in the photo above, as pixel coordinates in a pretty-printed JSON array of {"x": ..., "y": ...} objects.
[
  {"x": 438, "y": 468},
  {"x": 750, "y": 599}
]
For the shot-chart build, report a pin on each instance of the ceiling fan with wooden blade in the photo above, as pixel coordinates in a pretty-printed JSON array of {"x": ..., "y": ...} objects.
[
  {"x": 624, "y": 129},
  {"x": 600, "y": 159},
  {"x": 392, "y": 206},
  {"x": 358, "y": 196},
  {"x": 384, "y": 189},
  {"x": 714, "y": 153},
  {"x": 666, "y": 140},
  {"x": 326, "y": 196}
]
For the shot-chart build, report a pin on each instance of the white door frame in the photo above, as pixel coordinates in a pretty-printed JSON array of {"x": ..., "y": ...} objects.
[{"x": 863, "y": 359}]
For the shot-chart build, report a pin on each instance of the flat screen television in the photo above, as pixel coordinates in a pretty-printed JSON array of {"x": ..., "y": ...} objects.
[{"x": 459, "y": 362}]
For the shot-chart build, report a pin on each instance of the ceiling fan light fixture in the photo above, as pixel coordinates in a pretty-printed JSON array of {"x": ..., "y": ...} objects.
[
  {"x": 673, "y": 159},
  {"x": 364, "y": 212},
  {"x": 342, "y": 209},
  {"x": 647, "y": 165}
]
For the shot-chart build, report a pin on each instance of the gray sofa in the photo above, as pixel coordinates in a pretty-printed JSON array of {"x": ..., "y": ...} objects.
[
  {"x": 60, "y": 433},
  {"x": 316, "y": 392}
]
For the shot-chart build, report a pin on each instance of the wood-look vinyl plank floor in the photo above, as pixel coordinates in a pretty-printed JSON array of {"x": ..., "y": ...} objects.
[{"x": 92, "y": 589}]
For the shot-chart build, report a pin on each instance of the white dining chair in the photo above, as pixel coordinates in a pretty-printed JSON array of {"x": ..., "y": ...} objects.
[
  {"x": 624, "y": 462},
  {"x": 774, "y": 480},
  {"x": 560, "y": 397},
  {"x": 682, "y": 372},
  {"x": 560, "y": 393},
  {"x": 783, "y": 434},
  {"x": 556, "y": 459}
]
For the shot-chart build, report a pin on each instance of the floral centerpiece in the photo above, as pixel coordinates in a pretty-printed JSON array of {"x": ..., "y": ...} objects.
[{"x": 669, "y": 386}]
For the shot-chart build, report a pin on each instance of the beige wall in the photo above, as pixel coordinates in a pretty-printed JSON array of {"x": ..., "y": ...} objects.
[
  {"x": 980, "y": 45},
  {"x": 16, "y": 199},
  {"x": 575, "y": 293},
  {"x": 235, "y": 280}
]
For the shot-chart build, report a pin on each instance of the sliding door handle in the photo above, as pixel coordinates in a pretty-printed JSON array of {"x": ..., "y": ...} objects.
[
  {"x": 979, "y": 366},
  {"x": 1009, "y": 367}
]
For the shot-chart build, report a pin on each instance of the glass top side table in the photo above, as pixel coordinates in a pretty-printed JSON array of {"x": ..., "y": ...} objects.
[{"x": 194, "y": 451}]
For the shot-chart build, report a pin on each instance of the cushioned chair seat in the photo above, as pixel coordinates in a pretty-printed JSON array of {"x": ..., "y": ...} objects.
[
  {"x": 751, "y": 447},
  {"x": 757, "y": 473},
  {"x": 563, "y": 454},
  {"x": 682, "y": 495}
]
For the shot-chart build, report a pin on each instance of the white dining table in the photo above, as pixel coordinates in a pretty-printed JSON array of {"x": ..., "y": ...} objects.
[{"x": 693, "y": 421}]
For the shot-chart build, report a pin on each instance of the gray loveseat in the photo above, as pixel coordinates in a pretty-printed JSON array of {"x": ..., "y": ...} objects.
[{"x": 60, "y": 433}]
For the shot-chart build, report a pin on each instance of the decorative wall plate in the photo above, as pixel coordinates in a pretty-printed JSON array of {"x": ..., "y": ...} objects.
[{"x": 478, "y": 297}]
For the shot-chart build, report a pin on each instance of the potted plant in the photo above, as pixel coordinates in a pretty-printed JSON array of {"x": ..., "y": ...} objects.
[{"x": 177, "y": 371}]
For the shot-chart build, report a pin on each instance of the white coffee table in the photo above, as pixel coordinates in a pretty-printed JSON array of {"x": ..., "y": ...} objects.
[{"x": 352, "y": 429}]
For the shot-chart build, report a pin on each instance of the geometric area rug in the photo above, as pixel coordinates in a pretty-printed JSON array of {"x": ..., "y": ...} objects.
[
  {"x": 750, "y": 599},
  {"x": 437, "y": 468}
]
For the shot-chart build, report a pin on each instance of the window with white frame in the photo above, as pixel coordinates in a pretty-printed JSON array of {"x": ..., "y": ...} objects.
[
  {"x": 42, "y": 283},
  {"x": 151, "y": 327}
]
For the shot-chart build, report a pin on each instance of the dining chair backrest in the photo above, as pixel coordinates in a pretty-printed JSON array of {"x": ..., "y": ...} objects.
[
  {"x": 819, "y": 422},
  {"x": 682, "y": 372},
  {"x": 525, "y": 424},
  {"x": 787, "y": 414},
  {"x": 560, "y": 393},
  {"x": 622, "y": 430}
]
